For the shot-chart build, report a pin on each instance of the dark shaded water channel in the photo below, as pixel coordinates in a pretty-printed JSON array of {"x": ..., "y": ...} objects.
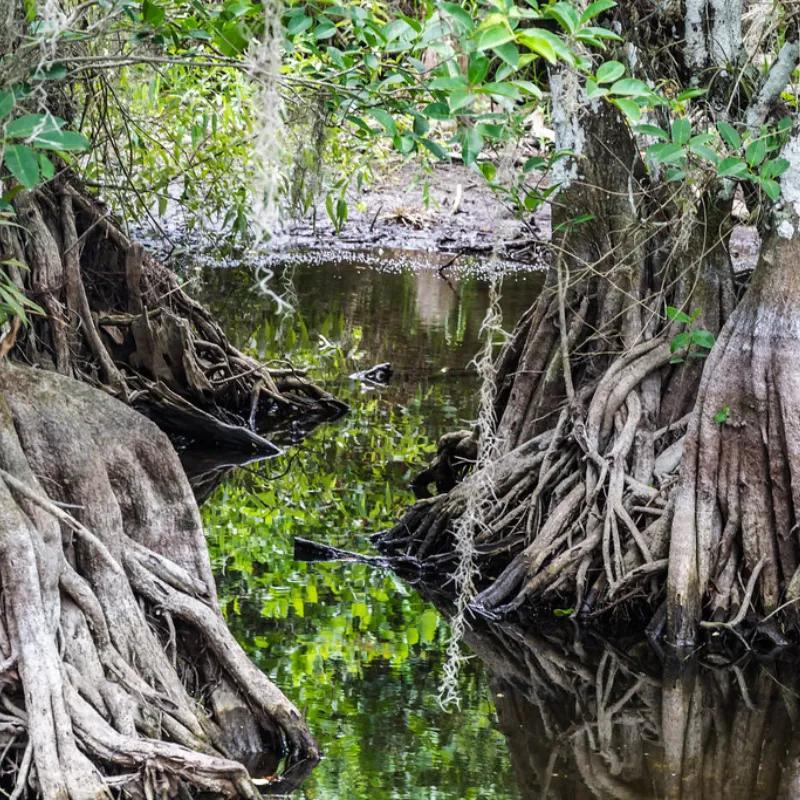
[{"x": 545, "y": 715}]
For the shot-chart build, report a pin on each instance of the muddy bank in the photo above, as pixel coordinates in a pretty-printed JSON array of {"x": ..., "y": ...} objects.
[
  {"x": 457, "y": 214},
  {"x": 461, "y": 214}
]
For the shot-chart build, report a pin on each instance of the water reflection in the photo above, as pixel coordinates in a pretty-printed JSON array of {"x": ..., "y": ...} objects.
[
  {"x": 436, "y": 297},
  {"x": 548, "y": 714},
  {"x": 354, "y": 646},
  {"x": 584, "y": 718}
]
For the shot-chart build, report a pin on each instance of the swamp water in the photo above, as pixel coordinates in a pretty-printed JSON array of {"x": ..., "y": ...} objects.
[{"x": 361, "y": 652}]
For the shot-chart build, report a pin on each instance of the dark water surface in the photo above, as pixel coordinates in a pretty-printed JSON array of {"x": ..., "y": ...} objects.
[{"x": 547, "y": 714}]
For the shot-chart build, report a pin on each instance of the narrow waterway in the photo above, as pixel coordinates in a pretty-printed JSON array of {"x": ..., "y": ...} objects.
[{"x": 359, "y": 651}]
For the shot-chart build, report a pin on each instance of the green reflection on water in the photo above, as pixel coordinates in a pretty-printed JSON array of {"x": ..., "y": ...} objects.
[{"x": 352, "y": 645}]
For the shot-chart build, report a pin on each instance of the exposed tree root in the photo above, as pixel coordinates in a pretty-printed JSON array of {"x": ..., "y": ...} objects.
[
  {"x": 592, "y": 412},
  {"x": 565, "y": 504},
  {"x": 118, "y": 319},
  {"x": 117, "y": 667}
]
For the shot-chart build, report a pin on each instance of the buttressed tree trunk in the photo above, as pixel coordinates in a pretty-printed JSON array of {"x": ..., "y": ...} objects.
[
  {"x": 117, "y": 666},
  {"x": 593, "y": 414},
  {"x": 590, "y": 410},
  {"x": 738, "y": 501},
  {"x": 118, "y": 669}
]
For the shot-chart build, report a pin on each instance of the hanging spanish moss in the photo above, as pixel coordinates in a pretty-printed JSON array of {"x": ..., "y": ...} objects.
[
  {"x": 473, "y": 519},
  {"x": 269, "y": 156}
]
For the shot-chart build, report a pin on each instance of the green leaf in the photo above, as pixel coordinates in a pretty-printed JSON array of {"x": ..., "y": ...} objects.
[
  {"x": 651, "y": 130},
  {"x": 676, "y": 315},
  {"x": 534, "y": 162},
  {"x": 22, "y": 127},
  {"x": 22, "y": 164},
  {"x": 10, "y": 300},
  {"x": 463, "y": 19},
  {"x": 704, "y": 151},
  {"x": 629, "y": 108},
  {"x": 588, "y": 38},
  {"x": 756, "y": 152},
  {"x": 494, "y": 37},
  {"x": 537, "y": 43},
  {"x": 488, "y": 170},
  {"x": 593, "y": 9},
  {"x": 675, "y": 174},
  {"x": 298, "y": 24},
  {"x": 689, "y": 94},
  {"x": 774, "y": 168},
  {"x": 437, "y": 111},
  {"x": 360, "y": 122},
  {"x": 62, "y": 140},
  {"x": 681, "y": 130},
  {"x": 478, "y": 68},
  {"x": 732, "y": 167},
  {"x": 471, "y": 146},
  {"x": 397, "y": 29},
  {"x": 600, "y": 33},
  {"x": 593, "y": 90},
  {"x": 528, "y": 87},
  {"x": 560, "y": 47},
  {"x": 722, "y": 415},
  {"x": 385, "y": 119},
  {"x": 565, "y": 15},
  {"x": 404, "y": 144},
  {"x": 435, "y": 148},
  {"x": 46, "y": 167},
  {"x": 729, "y": 135},
  {"x": 6, "y": 103},
  {"x": 610, "y": 72},
  {"x": 509, "y": 54},
  {"x": 630, "y": 87},
  {"x": 152, "y": 14},
  {"x": 460, "y": 99},
  {"x": 324, "y": 29},
  {"x": 679, "y": 342},
  {"x": 772, "y": 189},
  {"x": 448, "y": 84},
  {"x": 501, "y": 90},
  {"x": 421, "y": 125},
  {"x": 703, "y": 338}
]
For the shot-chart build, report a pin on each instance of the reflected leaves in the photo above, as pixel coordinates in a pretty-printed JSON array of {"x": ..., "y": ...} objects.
[{"x": 353, "y": 645}]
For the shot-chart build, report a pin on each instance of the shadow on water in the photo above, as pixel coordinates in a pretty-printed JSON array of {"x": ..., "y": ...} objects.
[{"x": 543, "y": 714}]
